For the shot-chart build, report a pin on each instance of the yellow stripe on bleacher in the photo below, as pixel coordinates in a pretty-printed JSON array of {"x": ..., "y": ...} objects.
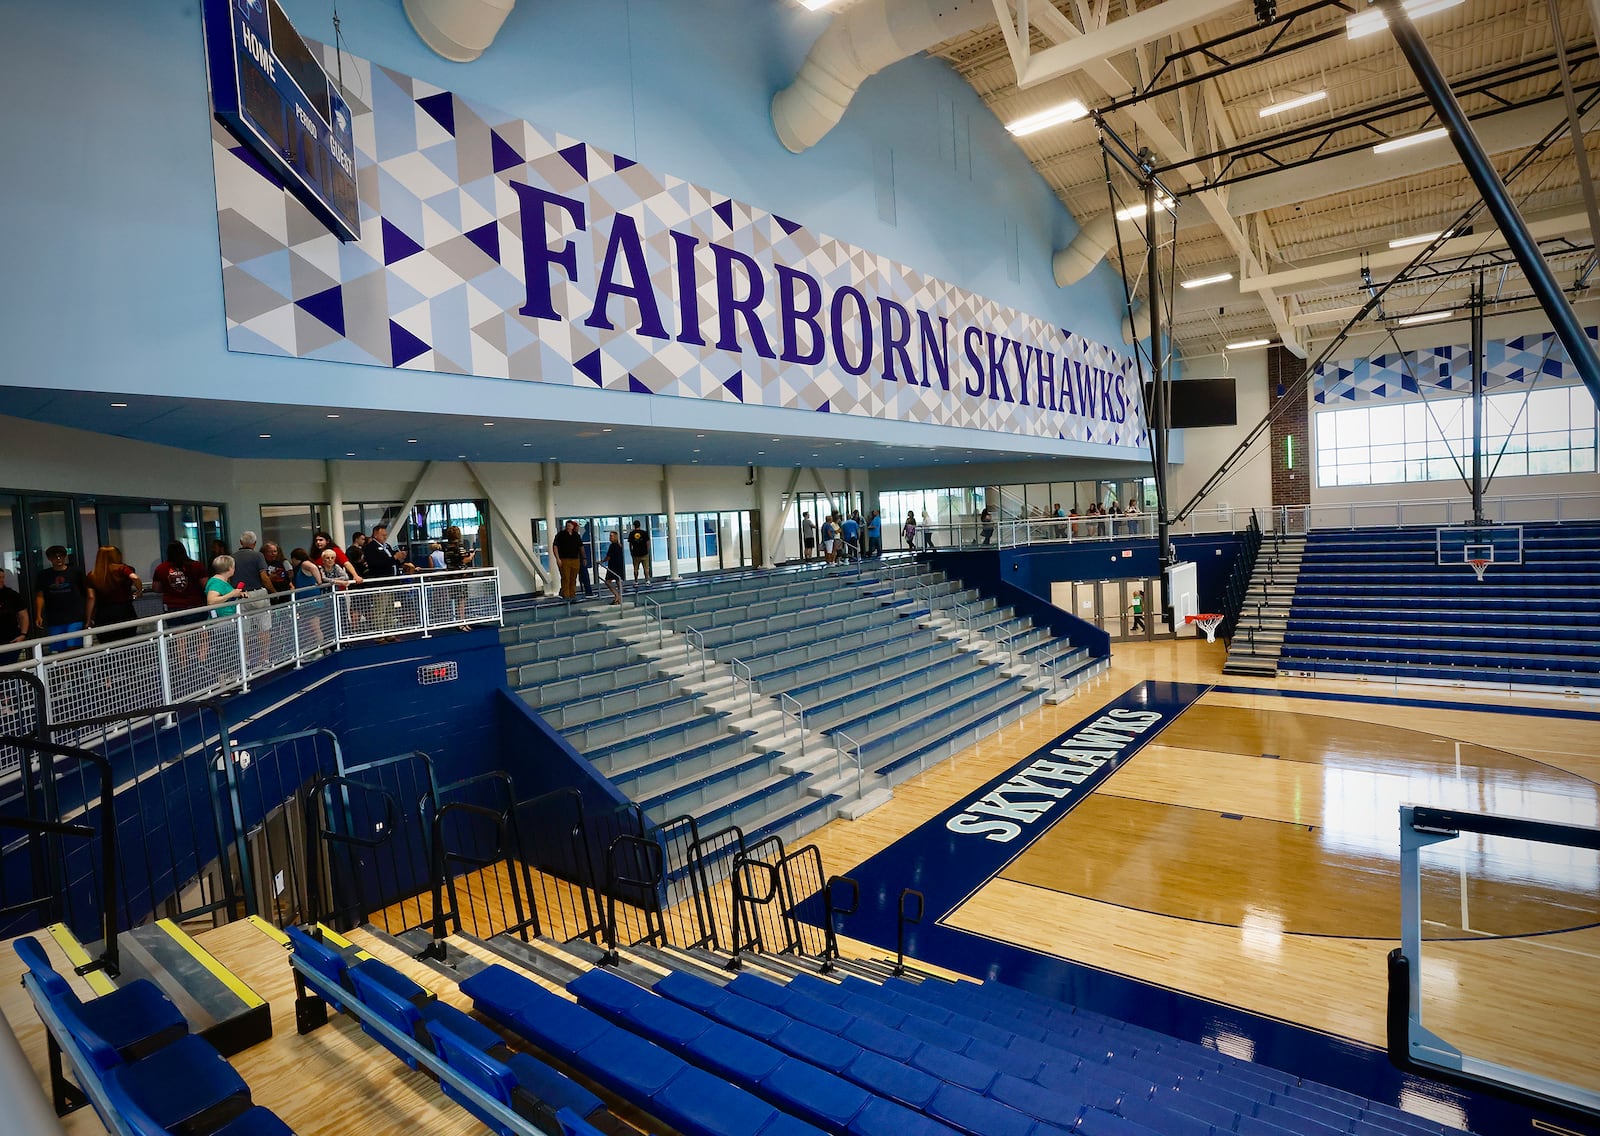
[
  {"x": 98, "y": 980},
  {"x": 341, "y": 942},
  {"x": 204, "y": 957},
  {"x": 268, "y": 930}
]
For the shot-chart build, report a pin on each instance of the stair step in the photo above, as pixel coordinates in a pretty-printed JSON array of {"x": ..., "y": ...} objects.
[
  {"x": 219, "y": 1005},
  {"x": 855, "y": 810}
]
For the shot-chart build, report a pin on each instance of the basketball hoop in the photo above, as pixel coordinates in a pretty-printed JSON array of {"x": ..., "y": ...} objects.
[
  {"x": 1478, "y": 566},
  {"x": 1208, "y": 622}
]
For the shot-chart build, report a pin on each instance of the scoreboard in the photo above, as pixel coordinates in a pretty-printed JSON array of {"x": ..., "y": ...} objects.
[{"x": 270, "y": 92}]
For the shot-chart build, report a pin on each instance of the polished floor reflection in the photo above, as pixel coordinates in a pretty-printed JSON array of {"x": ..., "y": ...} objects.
[{"x": 1249, "y": 855}]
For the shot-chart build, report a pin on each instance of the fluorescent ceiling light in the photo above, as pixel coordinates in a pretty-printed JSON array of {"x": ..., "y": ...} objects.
[
  {"x": 814, "y": 5},
  {"x": 1374, "y": 20},
  {"x": 1410, "y": 140},
  {"x": 1202, "y": 281},
  {"x": 1419, "y": 239},
  {"x": 1135, "y": 211},
  {"x": 1424, "y": 317},
  {"x": 1292, "y": 104},
  {"x": 1069, "y": 111},
  {"x": 1246, "y": 343}
]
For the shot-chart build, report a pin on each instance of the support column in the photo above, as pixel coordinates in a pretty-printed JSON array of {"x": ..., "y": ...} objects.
[
  {"x": 1477, "y": 399},
  {"x": 1568, "y": 329},
  {"x": 552, "y": 478},
  {"x": 1291, "y": 436},
  {"x": 335, "y": 501},
  {"x": 669, "y": 506}
]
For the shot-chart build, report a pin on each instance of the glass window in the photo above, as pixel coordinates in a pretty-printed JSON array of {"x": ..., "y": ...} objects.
[{"x": 1432, "y": 441}]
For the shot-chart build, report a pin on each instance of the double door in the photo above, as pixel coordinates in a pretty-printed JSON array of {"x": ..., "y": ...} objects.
[{"x": 1125, "y": 609}]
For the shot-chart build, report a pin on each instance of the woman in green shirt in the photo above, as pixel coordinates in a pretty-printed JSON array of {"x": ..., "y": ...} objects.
[{"x": 220, "y": 589}]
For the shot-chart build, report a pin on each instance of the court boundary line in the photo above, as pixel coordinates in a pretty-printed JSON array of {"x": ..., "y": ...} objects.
[{"x": 1416, "y": 703}]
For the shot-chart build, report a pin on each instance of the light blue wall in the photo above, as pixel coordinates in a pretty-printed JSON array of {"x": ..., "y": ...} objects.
[{"x": 111, "y": 280}]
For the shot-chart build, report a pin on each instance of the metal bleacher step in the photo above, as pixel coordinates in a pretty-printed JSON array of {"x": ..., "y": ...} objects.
[{"x": 217, "y": 1003}]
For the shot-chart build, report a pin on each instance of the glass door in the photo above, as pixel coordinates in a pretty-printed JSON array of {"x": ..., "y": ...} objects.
[{"x": 49, "y": 521}]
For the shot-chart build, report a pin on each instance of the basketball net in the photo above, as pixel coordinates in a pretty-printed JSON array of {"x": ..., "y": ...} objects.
[{"x": 1478, "y": 566}]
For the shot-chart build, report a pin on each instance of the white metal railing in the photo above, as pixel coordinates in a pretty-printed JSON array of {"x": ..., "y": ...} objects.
[
  {"x": 697, "y": 646},
  {"x": 1526, "y": 509},
  {"x": 652, "y": 610},
  {"x": 1077, "y": 530},
  {"x": 840, "y": 741},
  {"x": 183, "y": 656},
  {"x": 748, "y": 678},
  {"x": 796, "y": 715}
]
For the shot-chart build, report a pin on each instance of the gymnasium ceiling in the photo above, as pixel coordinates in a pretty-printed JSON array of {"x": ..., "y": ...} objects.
[{"x": 1300, "y": 199}]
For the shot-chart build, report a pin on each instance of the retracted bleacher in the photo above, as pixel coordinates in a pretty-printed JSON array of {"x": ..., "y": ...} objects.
[{"x": 1404, "y": 605}]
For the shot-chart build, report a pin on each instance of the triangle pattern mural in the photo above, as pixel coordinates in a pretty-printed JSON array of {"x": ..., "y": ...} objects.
[
  {"x": 1507, "y": 363},
  {"x": 445, "y": 269}
]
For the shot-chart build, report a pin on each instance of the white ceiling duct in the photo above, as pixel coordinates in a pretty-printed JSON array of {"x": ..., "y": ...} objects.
[
  {"x": 459, "y": 30},
  {"x": 857, "y": 43},
  {"x": 1136, "y": 325},
  {"x": 1086, "y": 250}
]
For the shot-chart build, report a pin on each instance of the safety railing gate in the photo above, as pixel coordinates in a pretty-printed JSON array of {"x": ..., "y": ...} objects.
[
  {"x": 478, "y": 883},
  {"x": 783, "y": 899},
  {"x": 165, "y": 812},
  {"x": 368, "y": 844},
  {"x": 561, "y": 864}
]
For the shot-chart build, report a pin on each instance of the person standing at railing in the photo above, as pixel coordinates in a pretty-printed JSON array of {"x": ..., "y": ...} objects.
[
  {"x": 927, "y": 533},
  {"x": 908, "y": 532},
  {"x": 180, "y": 581},
  {"x": 115, "y": 586},
  {"x": 850, "y": 532},
  {"x": 221, "y": 590},
  {"x": 306, "y": 572},
  {"x": 1132, "y": 513},
  {"x": 14, "y": 621},
  {"x": 250, "y": 573},
  {"x": 63, "y": 601},
  {"x": 639, "y": 550},
  {"x": 808, "y": 537},
  {"x": 986, "y": 524},
  {"x": 874, "y": 535},
  {"x": 614, "y": 567},
  {"x": 321, "y": 542},
  {"x": 567, "y": 551},
  {"x": 380, "y": 570},
  {"x": 279, "y": 571}
]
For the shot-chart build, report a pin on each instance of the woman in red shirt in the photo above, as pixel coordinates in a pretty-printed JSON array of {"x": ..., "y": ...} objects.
[
  {"x": 180, "y": 580},
  {"x": 116, "y": 586}
]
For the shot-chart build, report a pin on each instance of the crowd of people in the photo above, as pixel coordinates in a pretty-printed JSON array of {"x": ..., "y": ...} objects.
[
  {"x": 66, "y": 599},
  {"x": 844, "y": 537}
]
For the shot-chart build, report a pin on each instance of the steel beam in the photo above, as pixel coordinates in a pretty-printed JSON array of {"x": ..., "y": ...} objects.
[{"x": 1562, "y": 318}]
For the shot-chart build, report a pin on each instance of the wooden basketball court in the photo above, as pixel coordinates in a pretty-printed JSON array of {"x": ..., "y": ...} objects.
[
  {"x": 1246, "y": 855},
  {"x": 1249, "y": 855}
]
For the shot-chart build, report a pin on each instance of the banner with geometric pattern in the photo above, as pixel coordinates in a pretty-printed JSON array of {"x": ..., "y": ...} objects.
[
  {"x": 1506, "y": 362},
  {"x": 492, "y": 247}
]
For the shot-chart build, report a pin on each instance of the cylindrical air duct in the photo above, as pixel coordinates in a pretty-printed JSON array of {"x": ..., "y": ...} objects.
[
  {"x": 858, "y": 42},
  {"x": 1086, "y": 250},
  {"x": 459, "y": 30}
]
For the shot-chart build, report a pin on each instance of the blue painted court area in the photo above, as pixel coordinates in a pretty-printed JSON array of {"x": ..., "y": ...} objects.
[{"x": 955, "y": 853}]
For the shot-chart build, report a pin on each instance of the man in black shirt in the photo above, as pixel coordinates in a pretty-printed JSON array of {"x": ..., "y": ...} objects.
[
  {"x": 14, "y": 621},
  {"x": 379, "y": 567},
  {"x": 639, "y": 549},
  {"x": 63, "y": 600},
  {"x": 567, "y": 548}
]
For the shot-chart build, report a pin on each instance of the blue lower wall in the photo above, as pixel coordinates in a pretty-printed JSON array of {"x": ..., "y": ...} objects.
[{"x": 1022, "y": 576}]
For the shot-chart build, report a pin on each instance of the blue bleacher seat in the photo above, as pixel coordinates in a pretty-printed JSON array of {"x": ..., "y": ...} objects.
[
  {"x": 130, "y": 1022},
  {"x": 975, "y": 1113},
  {"x": 647, "y": 1075},
  {"x": 187, "y": 1085}
]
